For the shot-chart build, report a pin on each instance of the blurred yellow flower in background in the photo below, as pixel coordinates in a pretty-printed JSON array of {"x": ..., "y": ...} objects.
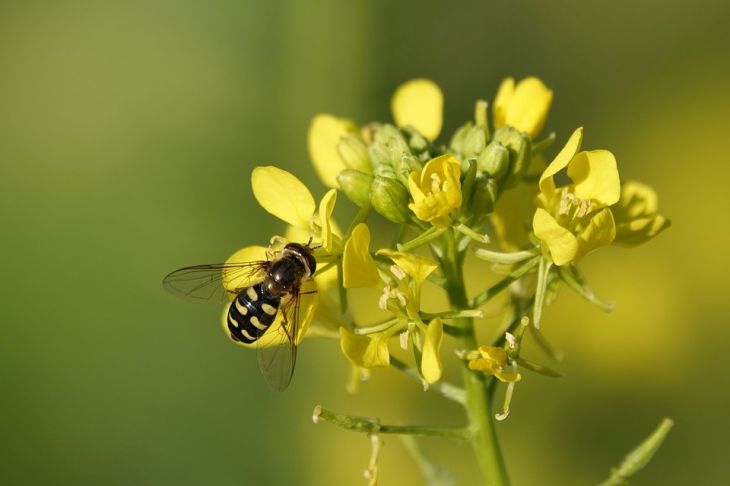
[
  {"x": 329, "y": 150},
  {"x": 637, "y": 219},
  {"x": 419, "y": 103},
  {"x": 524, "y": 106}
]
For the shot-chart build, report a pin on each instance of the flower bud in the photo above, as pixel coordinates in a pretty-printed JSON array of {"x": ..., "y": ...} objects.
[
  {"x": 483, "y": 197},
  {"x": 405, "y": 166},
  {"x": 356, "y": 185},
  {"x": 474, "y": 142},
  {"x": 354, "y": 153},
  {"x": 494, "y": 161},
  {"x": 518, "y": 145},
  {"x": 390, "y": 199},
  {"x": 459, "y": 137},
  {"x": 388, "y": 146}
]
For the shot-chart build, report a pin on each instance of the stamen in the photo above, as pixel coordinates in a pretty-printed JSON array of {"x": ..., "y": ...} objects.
[
  {"x": 404, "y": 339},
  {"x": 383, "y": 302},
  {"x": 511, "y": 341},
  {"x": 435, "y": 182},
  {"x": 398, "y": 272}
]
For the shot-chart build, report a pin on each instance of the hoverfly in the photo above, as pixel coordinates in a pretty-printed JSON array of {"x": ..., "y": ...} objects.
[{"x": 254, "y": 306}]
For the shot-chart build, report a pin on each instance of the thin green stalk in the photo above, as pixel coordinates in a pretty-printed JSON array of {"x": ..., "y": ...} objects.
[
  {"x": 484, "y": 437},
  {"x": 446, "y": 390},
  {"x": 487, "y": 294},
  {"x": 373, "y": 426}
]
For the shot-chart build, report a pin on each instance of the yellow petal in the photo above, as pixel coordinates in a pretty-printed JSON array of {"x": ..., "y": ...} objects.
[
  {"x": 436, "y": 191},
  {"x": 547, "y": 185},
  {"x": 358, "y": 267},
  {"x": 431, "y": 366},
  {"x": 562, "y": 244},
  {"x": 326, "y": 206},
  {"x": 420, "y": 104},
  {"x": 494, "y": 353},
  {"x": 283, "y": 195},
  {"x": 529, "y": 106},
  {"x": 325, "y": 133},
  {"x": 365, "y": 351},
  {"x": 637, "y": 201},
  {"x": 595, "y": 176},
  {"x": 234, "y": 281},
  {"x": 418, "y": 267},
  {"x": 640, "y": 230},
  {"x": 637, "y": 220},
  {"x": 502, "y": 101},
  {"x": 275, "y": 335},
  {"x": 601, "y": 231}
]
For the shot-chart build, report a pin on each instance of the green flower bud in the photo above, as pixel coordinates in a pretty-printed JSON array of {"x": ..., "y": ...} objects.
[
  {"x": 356, "y": 185},
  {"x": 518, "y": 145},
  {"x": 457, "y": 141},
  {"x": 354, "y": 153},
  {"x": 388, "y": 146},
  {"x": 483, "y": 197},
  {"x": 416, "y": 141},
  {"x": 474, "y": 142},
  {"x": 494, "y": 161},
  {"x": 405, "y": 166},
  {"x": 390, "y": 199}
]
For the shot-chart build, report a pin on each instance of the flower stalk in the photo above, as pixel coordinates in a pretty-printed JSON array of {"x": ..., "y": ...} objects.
[{"x": 484, "y": 437}]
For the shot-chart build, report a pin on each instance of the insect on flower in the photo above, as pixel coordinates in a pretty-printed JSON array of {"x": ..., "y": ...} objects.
[{"x": 271, "y": 286}]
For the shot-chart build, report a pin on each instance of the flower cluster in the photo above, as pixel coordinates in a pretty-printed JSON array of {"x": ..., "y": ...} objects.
[{"x": 445, "y": 198}]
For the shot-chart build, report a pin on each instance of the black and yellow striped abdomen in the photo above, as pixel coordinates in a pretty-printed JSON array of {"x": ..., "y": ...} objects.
[{"x": 251, "y": 313}]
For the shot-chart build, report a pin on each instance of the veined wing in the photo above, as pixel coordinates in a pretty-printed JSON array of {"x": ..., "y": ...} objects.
[
  {"x": 277, "y": 362},
  {"x": 205, "y": 283}
]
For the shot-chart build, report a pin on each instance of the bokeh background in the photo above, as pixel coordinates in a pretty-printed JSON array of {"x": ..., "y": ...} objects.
[{"x": 128, "y": 131}]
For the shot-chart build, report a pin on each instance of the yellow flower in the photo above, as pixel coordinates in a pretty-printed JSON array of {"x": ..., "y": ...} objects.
[
  {"x": 334, "y": 145},
  {"x": 365, "y": 351},
  {"x": 286, "y": 197},
  {"x": 436, "y": 191},
  {"x": 431, "y": 365},
  {"x": 419, "y": 103},
  {"x": 273, "y": 336},
  {"x": 493, "y": 361},
  {"x": 637, "y": 219},
  {"x": 524, "y": 107},
  {"x": 575, "y": 219},
  {"x": 358, "y": 267},
  {"x": 417, "y": 267}
]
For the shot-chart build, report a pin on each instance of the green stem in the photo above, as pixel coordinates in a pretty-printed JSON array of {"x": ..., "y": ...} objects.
[
  {"x": 426, "y": 237},
  {"x": 484, "y": 437},
  {"x": 446, "y": 390},
  {"x": 373, "y": 426},
  {"x": 432, "y": 473},
  {"x": 487, "y": 294},
  {"x": 639, "y": 457}
]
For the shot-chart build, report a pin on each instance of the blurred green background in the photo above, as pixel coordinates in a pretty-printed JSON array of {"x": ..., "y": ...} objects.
[{"x": 128, "y": 131}]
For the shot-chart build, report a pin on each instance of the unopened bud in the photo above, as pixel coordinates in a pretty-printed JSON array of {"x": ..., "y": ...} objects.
[
  {"x": 475, "y": 142},
  {"x": 356, "y": 185},
  {"x": 405, "y": 166},
  {"x": 483, "y": 196},
  {"x": 494, "y": 161},
  {"x": 354, "y": 153},
  {"x": 390, "y": 199},
  {"x": 518, "y": 145},
  {"x": 459, "y": 137}
]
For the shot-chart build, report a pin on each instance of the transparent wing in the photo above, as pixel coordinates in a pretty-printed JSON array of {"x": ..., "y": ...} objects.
[
  {"x": 204, "y": 283},
  {"x": 277, "y": 362}
]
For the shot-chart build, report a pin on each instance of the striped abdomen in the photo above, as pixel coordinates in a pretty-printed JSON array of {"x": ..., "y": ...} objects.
[{"x": 251, "y": 313}]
